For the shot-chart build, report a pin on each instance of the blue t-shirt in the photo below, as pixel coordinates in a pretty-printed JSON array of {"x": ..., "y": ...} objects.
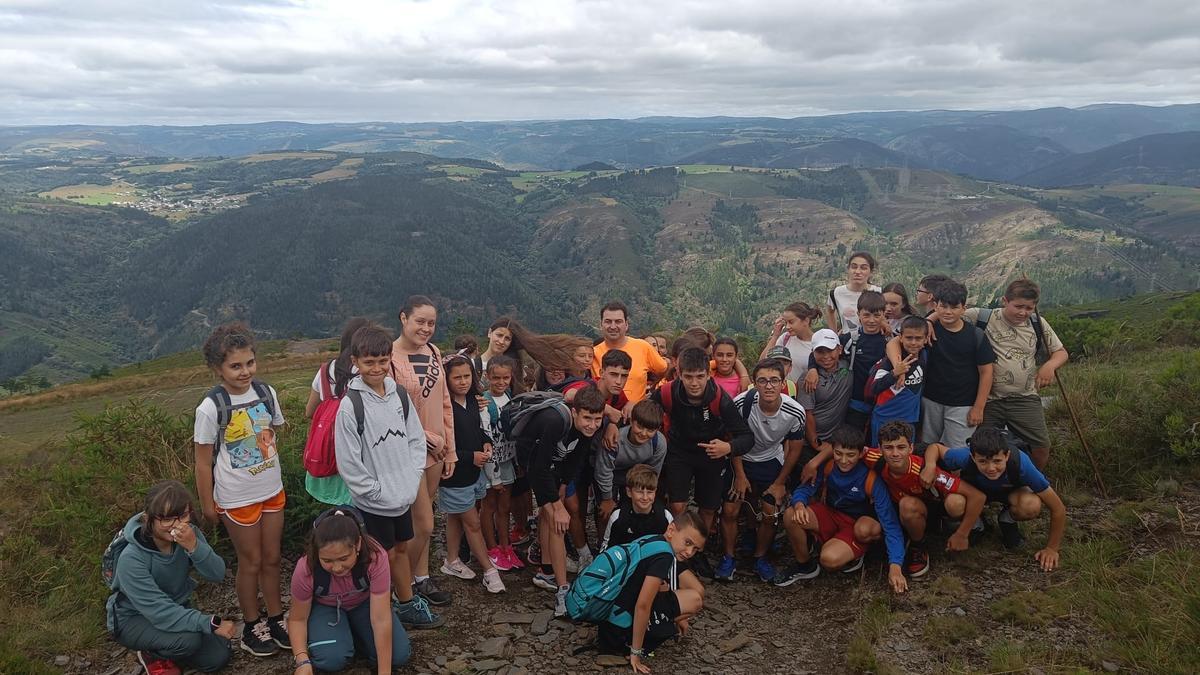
[{"x": 998, "y": 489}]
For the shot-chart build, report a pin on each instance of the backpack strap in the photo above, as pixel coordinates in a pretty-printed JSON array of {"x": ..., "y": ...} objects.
[
  {"x": 853, "y": 347},
  {"x": 323, "y": 378},
  {"x": 666, "y": 396},
  {"x": 264, "y": 394},
  {"x": 748, "y": 402},
  {"x": 220, "y": 398},
  {"x": 985, "y": 315},
  {"x": 836, "y": 310},
  {"x": 825, "y": 480},
  {"x": 1042, "y": 348},
  {"x": 360, "y": 416},
  {"x": 1013, "y": 468},
  {"x": 714, "y": 406}
]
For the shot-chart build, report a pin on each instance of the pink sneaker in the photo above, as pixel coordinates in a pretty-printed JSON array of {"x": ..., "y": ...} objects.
[
  {"x": 500, "y": 559},
  {"x": 514, "y": 561}
]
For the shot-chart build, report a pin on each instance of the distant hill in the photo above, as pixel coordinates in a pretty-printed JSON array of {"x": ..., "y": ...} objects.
[
  {"x": 1169, "y": 159},
  {"x": 595, "y": 166},
  {"x": 814, "y": 154},
  {"x": 988, "y": 151}
]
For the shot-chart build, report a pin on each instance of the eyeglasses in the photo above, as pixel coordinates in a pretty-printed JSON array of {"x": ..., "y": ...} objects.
[
  {"x": 768, "y": 382},
  {"x": 172, "y": 521},
  {"x": 922, "y": 290}
]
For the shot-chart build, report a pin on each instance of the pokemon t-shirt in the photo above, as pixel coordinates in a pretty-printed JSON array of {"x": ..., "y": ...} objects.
[{"x": 247, "y": 463}]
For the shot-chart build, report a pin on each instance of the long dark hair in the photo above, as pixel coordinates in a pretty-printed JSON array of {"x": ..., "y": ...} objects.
[
  {"x": 455, "y": 360},
  {"x": 342, "y": 367},
  {"x": 901, "y": 291}
]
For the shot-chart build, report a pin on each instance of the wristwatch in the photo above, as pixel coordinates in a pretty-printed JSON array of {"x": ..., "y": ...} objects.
[{"x": 215, "y": 622}]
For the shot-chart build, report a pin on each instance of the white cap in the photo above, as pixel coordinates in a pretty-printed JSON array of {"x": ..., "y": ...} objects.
[{"x": 825, "y": 339}]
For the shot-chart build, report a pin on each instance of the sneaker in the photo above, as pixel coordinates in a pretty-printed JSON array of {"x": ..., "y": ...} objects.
[
  {"x": 279, "y": 632},
  {"x": 916, "y": 563},
  {"x": 416, "y": 614},
  {"x": 560, "y": 601},
  {"x": 492, "y": 582},
  {"x": 256, "y": 638},
  {"x": 725, "y": 568},
  {"x": 765, "y": 570},
  {"x": 436, "y": 596},
  {"x": 854, "y": 566},
  {"x": 499, "y": 559},
  {"x": 518, "y": 536},
  {"x": 545, "y": 581},
  {"x": 700, "y": 565},
  {"x": 514, "y": 561},
  {"x": 1010, "y": 534},
  {"x": 534, "y": 555},
  {"x": 155, "y": 666},
  {"x": 456, "y": 568},
  {"x": 795, "y": 572},
  {"x": 572, "y": 565}
]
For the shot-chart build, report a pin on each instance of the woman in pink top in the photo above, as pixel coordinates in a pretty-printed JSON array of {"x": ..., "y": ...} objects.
[{"x": 417, "y": 366}]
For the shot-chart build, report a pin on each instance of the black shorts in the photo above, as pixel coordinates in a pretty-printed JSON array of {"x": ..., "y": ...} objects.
[
  {"x": 388, "y": 530},
  {"x": 613, "y": 639},
  {"x": 709, "y": 475},
  {"x": 760, "y": 475}
]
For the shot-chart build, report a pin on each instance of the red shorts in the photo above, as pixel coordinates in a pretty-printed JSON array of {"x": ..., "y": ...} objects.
[
  {"x": 833, "y": 524},
  {"x": 250, "y": 514}
]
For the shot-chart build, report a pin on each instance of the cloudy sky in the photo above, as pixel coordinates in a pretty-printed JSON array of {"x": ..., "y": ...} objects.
[{"x": 194, "y": 61}]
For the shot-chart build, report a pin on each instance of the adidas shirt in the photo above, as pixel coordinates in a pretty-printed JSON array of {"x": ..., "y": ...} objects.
[{"x": 770, "y": 431}]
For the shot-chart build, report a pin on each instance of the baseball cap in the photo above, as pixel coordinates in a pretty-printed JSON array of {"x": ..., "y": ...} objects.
[
  {"x": 779, "y": 353},
  {"x": 825, "y": 339}
]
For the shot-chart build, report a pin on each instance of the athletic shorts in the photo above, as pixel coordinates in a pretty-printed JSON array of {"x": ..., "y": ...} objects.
[
  {"x": 389, "y": 530},
  {"x": 612, "y": 639},
  {"x": 833, "y": 524},
  {"x": 501, "y": 473},
  {"x": 1023, "y": 415},
  {"x": 520, "y": 485},
  {"x": 250, "y": 514},
  {"x": 760, "y": 475},
  {"x": 461, "y": 499},
  {"x": 682, "y": 469}
]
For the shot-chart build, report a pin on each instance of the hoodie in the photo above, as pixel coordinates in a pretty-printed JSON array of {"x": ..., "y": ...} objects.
[
  {"x": 158, "y": 586},
  {"x": 612, "y": 465},
  {"x": 383, "y": 467},
  {"x": 693, "y": 424}
]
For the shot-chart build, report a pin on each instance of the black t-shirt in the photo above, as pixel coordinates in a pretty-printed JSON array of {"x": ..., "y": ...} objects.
[
  {"x": 625, "y": 524},
  {"x": 952, "y": 377},
  {"x": 660, "y": 565}
]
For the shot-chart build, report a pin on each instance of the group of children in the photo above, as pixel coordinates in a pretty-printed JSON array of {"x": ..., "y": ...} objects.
[{"x": 894, "y": 420}]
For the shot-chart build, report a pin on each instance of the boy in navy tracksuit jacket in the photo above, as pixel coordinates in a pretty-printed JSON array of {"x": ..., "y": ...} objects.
[
  {"x": 847, "y": 509},
  {"x": 897, "y": 389}
]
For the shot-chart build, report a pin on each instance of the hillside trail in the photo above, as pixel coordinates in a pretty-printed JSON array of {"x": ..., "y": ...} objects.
[{"x": 748, "y": 626}]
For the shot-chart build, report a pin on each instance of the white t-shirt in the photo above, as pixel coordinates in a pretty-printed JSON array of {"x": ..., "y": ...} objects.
[
  {"x": 247, "y": 463},
  {"x": 800, "y": 350},
  {"x": 503, "y": 449},
  {"x": 328, "y": 370},
  {"x": 847, "y": 305},
  {"x": 770, "y": 431}
]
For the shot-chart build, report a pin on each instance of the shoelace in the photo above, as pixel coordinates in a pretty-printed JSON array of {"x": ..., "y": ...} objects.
[
  {"x": 261, "y": 630},
  {"x": 421, "y": 606}
]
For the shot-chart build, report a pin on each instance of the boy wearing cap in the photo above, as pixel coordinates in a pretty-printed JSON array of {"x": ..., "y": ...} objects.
[
  {"x": 825, "y": 406},
  {"x": 784, "y": 357}
]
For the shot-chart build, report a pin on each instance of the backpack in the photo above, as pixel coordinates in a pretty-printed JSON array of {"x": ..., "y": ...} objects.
[
  {"x": 666, "y": 396},
  {"x": 319, "y": 457},
  {"x": 593, "y": 595},
  {"x": 1040, "y": 350},
  {"x": 747, "y": 404},
  {"x": 852, "y": 348},
  {"x": 520, "y": 409},
  {"x": 108, "y": 561},
  {"x": 322, "y": 580},
  {"x": 220, "y": 398}
]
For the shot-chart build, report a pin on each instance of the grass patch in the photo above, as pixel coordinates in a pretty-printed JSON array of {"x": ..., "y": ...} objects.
[
  {"x": 1028, "y": 609},
  {"x": 60, "y": 514},
  {"x": 873, "y": 622},
  {"x": 943, "y": 632},
  {"x": 1008, "y": 656}
]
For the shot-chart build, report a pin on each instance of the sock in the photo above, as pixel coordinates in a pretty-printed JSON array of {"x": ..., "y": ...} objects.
[
  {"x": 548, "y": 570},
  {"x": 563, "y": 589},
  {"x": 417, "y": 580},
  {"x": 277, "y": 617},
  {"x": 1005, "y": 516}
]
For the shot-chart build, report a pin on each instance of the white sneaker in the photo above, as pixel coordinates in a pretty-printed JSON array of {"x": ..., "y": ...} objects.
[
  {"x": 573, "y": 565},
  {"x": 560, "y": 601},
  {"x": 456, "y": 568},
  {"x": 492, "y": 582}
]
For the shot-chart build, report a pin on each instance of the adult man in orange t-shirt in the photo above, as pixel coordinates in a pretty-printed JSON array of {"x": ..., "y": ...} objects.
[{"x": 614, "y": 326}]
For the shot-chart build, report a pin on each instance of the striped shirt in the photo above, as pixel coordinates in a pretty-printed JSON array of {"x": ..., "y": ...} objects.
[{"x": 770, "y": 431}]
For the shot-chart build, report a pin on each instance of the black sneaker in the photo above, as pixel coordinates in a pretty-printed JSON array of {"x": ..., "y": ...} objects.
[
  {"x": 256, "y": 638},
  {"x": 279, "y": 632},
  {"x": 436, "y": 596},
  {"x": 701, "y": 567},
  {"x": 1010, "y": 534},
  {"x": 978, "y": 532},
  {"x": 795, "y": 572},
  {"x": 854, "y": 566}
]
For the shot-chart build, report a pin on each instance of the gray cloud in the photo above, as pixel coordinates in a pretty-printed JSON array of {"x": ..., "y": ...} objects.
[{"x": 172, "y": 61}]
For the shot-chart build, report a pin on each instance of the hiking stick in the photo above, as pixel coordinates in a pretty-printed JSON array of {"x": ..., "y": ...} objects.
[{"x": 1062, "y": 388}]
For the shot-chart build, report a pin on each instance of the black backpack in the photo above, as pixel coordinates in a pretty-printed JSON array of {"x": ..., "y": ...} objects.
[
  {"x": 516, "y": 414},
  {"x": 225, "y": 408},
  {"x": 322, "y": 579}
]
